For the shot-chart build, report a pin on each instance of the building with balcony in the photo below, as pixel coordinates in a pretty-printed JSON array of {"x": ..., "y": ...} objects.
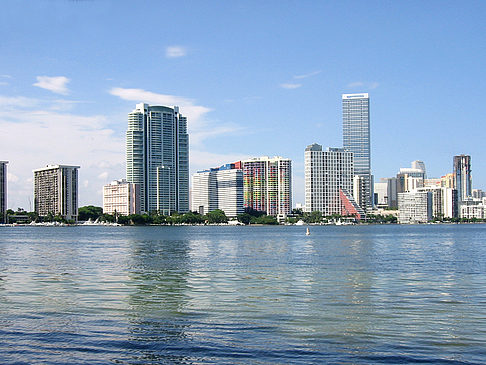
[
  {"x": 56, "y": 191},
  {"x": 218, "y": 188},
  {"x": 121, "y": 197},
  {"x": 267, "y": 185},
  {"x": 157, "y": 151}
]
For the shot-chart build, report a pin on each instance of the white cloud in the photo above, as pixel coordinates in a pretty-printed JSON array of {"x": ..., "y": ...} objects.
[
  {"x": 199, "y": 126},
  {"x": 103, "y": 175},
  {"x": 6, "y": 76},
  {"x": 188, "y": 108},
  {"x": 355, "y": 84},
  {"x": 56, "y": 84},
  {"x": 290, "y": 86},
  {"x": 175, "y": 51},
  {"x": 374, "y": 85},
  {"x": 11, "y": 178},
  {"x": 38, "y": 136},
  {"x": 304, "y": 76},
  {"x": 363, "y": 85}
]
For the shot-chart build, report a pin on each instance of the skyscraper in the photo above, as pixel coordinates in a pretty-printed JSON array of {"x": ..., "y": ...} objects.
[
  {"x": 158, "y": 157},
  {"x": 56, "y": 191},
  {"x": 268, "y": 184},
  {"x": 327, "y": 174},
  {"x": 462, "y": 177},
  {"x": 3, "y": 190},
  {"x": 356, "y": 139}
]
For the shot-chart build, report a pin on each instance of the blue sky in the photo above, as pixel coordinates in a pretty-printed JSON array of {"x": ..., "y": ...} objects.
[{"x": 254, "y": 78}]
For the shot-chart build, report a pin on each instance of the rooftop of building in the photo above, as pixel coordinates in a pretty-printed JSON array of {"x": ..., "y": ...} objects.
[{"x": 53, "y": 167}]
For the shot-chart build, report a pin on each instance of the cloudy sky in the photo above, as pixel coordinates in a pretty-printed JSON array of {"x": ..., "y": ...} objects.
[{"x": 254, "y": 78}]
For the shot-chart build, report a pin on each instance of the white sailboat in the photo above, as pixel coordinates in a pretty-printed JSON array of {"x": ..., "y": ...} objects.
[{"x": 307, "y": 232}]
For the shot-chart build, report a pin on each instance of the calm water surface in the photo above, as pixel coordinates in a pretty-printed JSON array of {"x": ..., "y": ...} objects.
[{"x": 240, "y": 295}]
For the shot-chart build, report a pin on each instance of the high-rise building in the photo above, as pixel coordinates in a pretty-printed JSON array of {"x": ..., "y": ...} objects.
[
  {"x": 121, "y": 197},
  {"x": 419, "y": 165},
  {"x": 356, "y": 139},
  {"x": 447, "y": 181},
  {"x": 3, "y": 191},
  {"x": 218, "y": 188},
  {"x": 267, "y": 185},
  {"x": 381, "y": 193},
  {"x": 462, "y": 177},
  {"x": 326, "y": 174},
  {"x": 158, "y": 157},
  {"x": 415, "y": 207},
  {"x": 444, "y": 201},
  {"x": 56, "y": 191}
]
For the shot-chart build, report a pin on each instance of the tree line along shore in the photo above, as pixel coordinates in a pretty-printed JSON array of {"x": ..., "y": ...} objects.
[{"x": 92, "y": 213}]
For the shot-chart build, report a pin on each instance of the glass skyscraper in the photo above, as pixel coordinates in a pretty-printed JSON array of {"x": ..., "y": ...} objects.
[
  {"x": 356, "y": 139},
  {"x": 462, "y": 177},
  {"x": 157, "y": 146}
]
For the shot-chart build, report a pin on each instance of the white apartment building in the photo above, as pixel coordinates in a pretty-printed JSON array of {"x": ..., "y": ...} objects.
[
  {"x": 473, "y": 208},
  {"x": 381, "y": 193},
  {"x": 56, "y": 191},
  {"x": 414, "y": 207},
  {"x": 327, "y": 172},
  {"x": 219, "y": 188},
  {"x": 444, "y": 201},
  {"x": 121, "y": 197}
]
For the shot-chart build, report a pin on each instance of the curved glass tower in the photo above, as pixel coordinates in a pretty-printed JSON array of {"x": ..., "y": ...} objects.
[{"x": 158, "y": 158}]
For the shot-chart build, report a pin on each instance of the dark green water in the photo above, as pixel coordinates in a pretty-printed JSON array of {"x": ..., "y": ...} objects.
[{"x": 240, "y": 295}]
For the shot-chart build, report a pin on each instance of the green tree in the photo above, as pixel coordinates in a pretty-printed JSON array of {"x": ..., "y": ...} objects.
[
  {"x": 217, "y": 216},
  {"x": 192, "y": 218},
  {"x": 264, "y": 219},
  {"x": 244, "y": 218},
  {"x": 89, "y": 211}
]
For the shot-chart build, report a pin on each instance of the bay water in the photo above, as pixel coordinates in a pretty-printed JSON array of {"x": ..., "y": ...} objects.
[{"x": 243, "y": 295}]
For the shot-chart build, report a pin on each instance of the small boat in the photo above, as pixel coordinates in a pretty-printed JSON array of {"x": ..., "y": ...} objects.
[{"x": 307, "y": 232}]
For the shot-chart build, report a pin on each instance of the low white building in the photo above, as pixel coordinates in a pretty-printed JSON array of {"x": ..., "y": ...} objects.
[
  {"x": 414, "y": 207},
  {"x": 473, "y": 208},
  {"x": 121, "y": 197},
  {"x": 218, "y": 188}
]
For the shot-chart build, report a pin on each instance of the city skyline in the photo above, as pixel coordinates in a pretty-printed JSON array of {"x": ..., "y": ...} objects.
[{"x": 244, "y": 90}]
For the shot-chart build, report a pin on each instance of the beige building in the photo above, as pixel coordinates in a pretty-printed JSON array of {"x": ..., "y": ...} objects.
[
  {"x": 122, "y": 197},
  {"x": 56, "y": 191}
]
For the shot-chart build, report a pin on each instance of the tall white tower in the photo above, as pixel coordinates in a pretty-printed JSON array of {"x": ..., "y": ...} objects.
[{"x": 157, "y": 147}]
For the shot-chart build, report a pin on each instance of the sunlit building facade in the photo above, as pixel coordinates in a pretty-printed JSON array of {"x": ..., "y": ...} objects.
[
  {"x": 415, "y": 207},
  {"x": 267, "y": 185},
  {"x": 56, "y": 191},
  {"x": 218, "y": 188},
  {"x": 326, "y": 173},
  {"x": 121, "y": 197},
  {"x": 157, "y": 150},
  {"x": 462, "y": 177},
  {"x": 356, "y": 139}
]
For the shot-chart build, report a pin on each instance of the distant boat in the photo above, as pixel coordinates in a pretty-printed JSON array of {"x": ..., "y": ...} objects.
[{"x": 307, "y": 232}]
